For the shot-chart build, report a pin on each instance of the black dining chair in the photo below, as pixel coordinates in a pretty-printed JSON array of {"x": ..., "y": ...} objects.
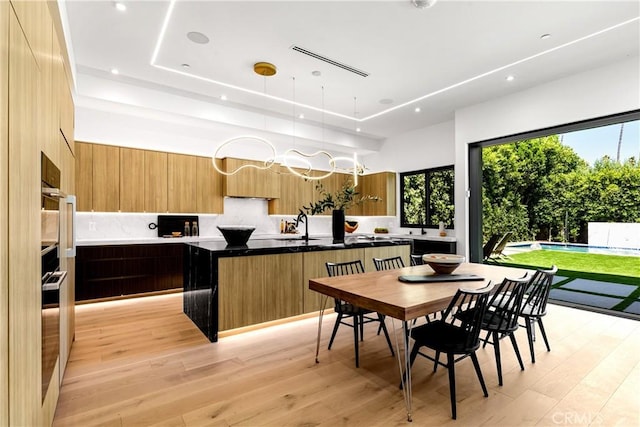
[
  {"x": 390, "y": 263},
  {"x": 359, "y": 315},
  {"x": 457, "y": 335},
  {"x": 534, "y": 306},
  {"x": 501, "y": 317},
  {"x": 416, "y": 259},
  {"x": 393, "y": 263}
]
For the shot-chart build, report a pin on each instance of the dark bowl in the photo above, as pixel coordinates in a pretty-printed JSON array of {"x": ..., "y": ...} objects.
[
  {"x": 443, "y": 263},
  {"x": 236, "y": 235}
]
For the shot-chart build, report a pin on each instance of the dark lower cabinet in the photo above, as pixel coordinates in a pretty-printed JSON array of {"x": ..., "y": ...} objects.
[
  {"x": 433, "y": 247},
  {"x": 112, "y": 271}
]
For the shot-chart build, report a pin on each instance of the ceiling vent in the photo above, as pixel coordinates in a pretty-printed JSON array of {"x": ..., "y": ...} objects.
[{"x": 330, "y": 61}]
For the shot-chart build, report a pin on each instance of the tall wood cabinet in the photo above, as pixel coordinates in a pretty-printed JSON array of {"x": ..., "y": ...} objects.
[
  {"x": 181, "y": 182},
  {"x": 5, "y": 11},
  {"x": 30, "y": 54},
  {"x": 131, "y": 180},
  {"x": 105, "y": 192}
]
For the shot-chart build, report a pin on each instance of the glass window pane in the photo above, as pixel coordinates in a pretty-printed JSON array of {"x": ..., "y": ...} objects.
[{"x": 413, "y": 199}]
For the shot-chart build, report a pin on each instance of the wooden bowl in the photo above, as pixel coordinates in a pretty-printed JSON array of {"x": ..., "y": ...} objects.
[{"x": 443, "y": 263}]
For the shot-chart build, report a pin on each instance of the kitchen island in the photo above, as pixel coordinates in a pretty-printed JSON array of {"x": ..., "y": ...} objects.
[{"x": 229, "y": 287}]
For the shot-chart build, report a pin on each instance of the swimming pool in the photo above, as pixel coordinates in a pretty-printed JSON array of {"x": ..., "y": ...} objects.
[{"x": 576, "y": 247}]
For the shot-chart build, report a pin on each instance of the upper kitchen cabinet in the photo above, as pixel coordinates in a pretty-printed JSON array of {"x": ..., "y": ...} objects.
[
  {"x": 383, "y": 185},
  {"x": 106, "y": 182},
  {"x": 249, "y": 182},
  {"x": 155, "y": 181},
  {"x": 181, "y": 181},
  {"x": 131, "y": 180},
  {"x": 209, "y": 197},
  {"x": 295, "y": 193},
  {"x": 84, "y": 176},
  {"x": 66, "y": 117}
]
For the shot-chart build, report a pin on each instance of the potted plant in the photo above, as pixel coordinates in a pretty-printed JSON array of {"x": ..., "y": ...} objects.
[{"x": 338, "y": 201}]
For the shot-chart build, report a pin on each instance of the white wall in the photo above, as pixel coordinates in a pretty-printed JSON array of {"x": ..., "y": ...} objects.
[
  {"x": 424, "y": 148},
  {"x": 594, "y": 93}
]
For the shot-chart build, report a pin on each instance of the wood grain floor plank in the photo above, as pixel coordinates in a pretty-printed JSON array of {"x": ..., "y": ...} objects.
[{"x": 142, "y": 362}]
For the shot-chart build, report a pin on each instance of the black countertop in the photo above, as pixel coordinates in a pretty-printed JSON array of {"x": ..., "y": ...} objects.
[{"x": 276, "y": 246}]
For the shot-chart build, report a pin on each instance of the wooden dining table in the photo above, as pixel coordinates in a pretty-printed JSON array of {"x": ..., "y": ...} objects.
[{"x": 383, "y": 292}]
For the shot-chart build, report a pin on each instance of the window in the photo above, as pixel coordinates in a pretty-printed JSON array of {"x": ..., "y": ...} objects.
[{"x": 427, "y": 197}]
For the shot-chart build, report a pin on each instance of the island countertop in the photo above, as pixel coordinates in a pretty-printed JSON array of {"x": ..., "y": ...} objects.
[{"x": 294, "y": 244}]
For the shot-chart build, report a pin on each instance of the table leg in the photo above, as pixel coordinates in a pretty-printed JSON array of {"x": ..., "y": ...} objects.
[
  {"x": 323, "y": 305},
  {"x": 405, "y": 374}
]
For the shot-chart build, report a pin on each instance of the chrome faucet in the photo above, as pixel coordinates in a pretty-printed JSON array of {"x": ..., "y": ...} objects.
[{"x": 302, "y": 217}]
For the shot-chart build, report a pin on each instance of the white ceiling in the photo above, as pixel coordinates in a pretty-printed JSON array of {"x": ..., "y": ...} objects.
[{"x": 455, "y": 54}]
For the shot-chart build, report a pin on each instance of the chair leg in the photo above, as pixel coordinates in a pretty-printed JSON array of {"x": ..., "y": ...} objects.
[
  {"x": 486, "y": 339},
  {"x": 515, "y": 347},
  {"x": 386, "y": 333},
  {"x": 435, "y": 363},
  {"x": 543, "y": 333},
  {"x": 529, "y": 324},
  {"x": 496, "y": 350},
  {"x": 335, "y": 329},
  {"x": 356, "y": 319},
  {"x": 476, "y": 365},
  {"x": 452, "y": 383},
  {"x": 362, "y": 327}
]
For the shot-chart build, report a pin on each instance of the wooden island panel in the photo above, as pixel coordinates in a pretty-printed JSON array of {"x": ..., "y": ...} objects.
[{"x": 256, "y": 289}]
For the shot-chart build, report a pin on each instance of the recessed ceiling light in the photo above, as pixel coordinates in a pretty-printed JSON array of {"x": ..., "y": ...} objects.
[
  {"x": 115, "y": 71},
  {"x": 357, "y": 129},
  {"x": 197, "y": 37},
  {"x": 510, "y": 78},
  {"x": 120, "y": 6},
  {"x": 223, "y": 97},
  {"x": 545, "y": 36},
  {"x": 301, "y": 116},
  {"x": 417, "y": 109},
  {"x": 185, "y": 65},
  {"x": 316, "y": 73}
]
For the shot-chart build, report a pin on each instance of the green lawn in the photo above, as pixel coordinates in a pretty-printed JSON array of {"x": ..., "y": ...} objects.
[{"x": 608, "y": 268}]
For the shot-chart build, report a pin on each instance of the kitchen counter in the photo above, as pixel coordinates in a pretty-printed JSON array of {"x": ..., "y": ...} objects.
[
  {"x": 226, "y": 287},
  {"x": 425, "y": 237},
  {"x": 255, "y": 237},
  {"x": 293, "y": 244}
]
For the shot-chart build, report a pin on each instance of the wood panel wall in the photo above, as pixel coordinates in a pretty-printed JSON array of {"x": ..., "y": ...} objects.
[
  {"x": 24, "y": 203},
  {"x": 28, "y": 125},
  {"x": 4, "y": 214}
]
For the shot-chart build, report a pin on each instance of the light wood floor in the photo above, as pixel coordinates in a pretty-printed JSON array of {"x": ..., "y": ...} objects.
[{"x": 142, "y": 362}]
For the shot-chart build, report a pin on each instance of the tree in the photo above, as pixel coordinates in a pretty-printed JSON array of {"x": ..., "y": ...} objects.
[
  {"x": 543, "y": 190},
  {"x": 518, "y": 176}
]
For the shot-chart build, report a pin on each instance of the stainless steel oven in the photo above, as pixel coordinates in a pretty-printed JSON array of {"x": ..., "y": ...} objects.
[{"x": 52, "y": 277}]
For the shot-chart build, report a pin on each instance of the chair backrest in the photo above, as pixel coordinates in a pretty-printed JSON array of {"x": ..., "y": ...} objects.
[
  {"x": 537, "y": 293},
  {"x": 388, "y": 263},
  {"x": 344, "y": 268},
  {"x": 505, "y": 305},
  {"x": 466, "y": 311},
  {"x": 416, "y": 259},
  {"x": 488, "y": 247}
]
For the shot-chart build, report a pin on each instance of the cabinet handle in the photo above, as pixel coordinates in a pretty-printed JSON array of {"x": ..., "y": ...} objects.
[{"x": 71, "y": 200}]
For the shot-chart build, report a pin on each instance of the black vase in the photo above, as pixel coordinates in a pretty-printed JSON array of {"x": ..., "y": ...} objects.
[{"x": 337, "y": 226}]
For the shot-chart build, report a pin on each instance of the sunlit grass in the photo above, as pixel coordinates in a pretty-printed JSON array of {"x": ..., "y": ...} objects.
[{"x": 586, "y": 265}]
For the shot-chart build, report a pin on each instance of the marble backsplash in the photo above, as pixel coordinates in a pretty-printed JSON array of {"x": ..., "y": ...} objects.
[{"x": 238, "y": 211}]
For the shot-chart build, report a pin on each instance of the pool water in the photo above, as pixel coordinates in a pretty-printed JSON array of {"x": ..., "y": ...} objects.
[{"x": 573, "y": 247}]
